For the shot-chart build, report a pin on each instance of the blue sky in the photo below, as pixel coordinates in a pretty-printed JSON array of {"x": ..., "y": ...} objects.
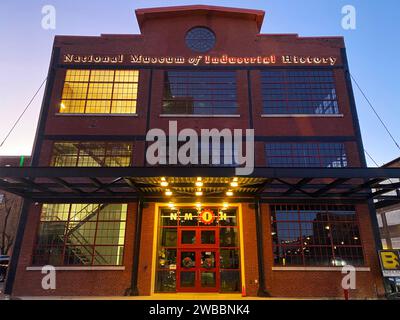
[{"x": 373, "y": 51}]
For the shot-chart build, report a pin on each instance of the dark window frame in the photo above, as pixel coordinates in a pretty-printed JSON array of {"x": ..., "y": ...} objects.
[
  {"x": 107, "y": 154},
  {"x": 188, "y": 92},
  {"x": 306, "y": 154},
  {"x": 306, "y": 243},
  {"x": 288, "y": 91},
  {"x": 38, "y": 260}
]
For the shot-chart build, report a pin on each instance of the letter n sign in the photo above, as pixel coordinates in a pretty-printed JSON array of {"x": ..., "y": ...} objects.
[{"x": 390, "y": 262}]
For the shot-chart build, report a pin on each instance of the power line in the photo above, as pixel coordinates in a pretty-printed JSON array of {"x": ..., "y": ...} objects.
[
  {"x": 376, "y": 113},
  {"x": 22, "y": 114},
  {"x": 369, "y": 156}
]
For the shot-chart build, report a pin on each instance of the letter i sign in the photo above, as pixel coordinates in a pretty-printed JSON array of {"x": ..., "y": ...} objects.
[{"x": 207, "y": 217}]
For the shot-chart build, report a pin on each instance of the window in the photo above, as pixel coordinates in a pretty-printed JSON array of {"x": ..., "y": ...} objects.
[
  {"x": 200, "y": 92},
  {"x": 393, "y": 217},
  {"x": 81, "y": 234},
  {"x": 100, "y": 91},
  {"x": 319, "y": 155},
  {"x": 380, "y": 221},
  {"x": 200, "y": 39},
  {"x": 91, "y": 154},
  {"x": 299, "y": 92},
  {"x": 319, "y": 235},
  {"x": 395, "y": 243}
]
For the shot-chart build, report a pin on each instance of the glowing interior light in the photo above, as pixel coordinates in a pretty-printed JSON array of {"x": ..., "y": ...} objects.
[
  {"x": 225, "y": 205},
  {"x": 229, "y": 193},
  {"x": 168, "y": 193},
  {"x": 164, "y": 184},
  {"x": 171, "y": 205},
  {"x": 199, "y": 193},
  {"x": 199, "y": 184},
  {"x": 62, "y": 105},
  {"x": 198, "y": 205},
  {"x": 234, "y": 184}
]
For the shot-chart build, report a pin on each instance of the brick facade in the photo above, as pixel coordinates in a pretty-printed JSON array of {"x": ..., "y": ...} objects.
[{"x": 162, "y": 32}]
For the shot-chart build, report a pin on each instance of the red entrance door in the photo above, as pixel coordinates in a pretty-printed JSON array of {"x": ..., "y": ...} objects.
[{"x": 198, "y": 260}]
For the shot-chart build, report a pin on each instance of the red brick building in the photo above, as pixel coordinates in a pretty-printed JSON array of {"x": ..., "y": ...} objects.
[{"x": 113, "y": 224}]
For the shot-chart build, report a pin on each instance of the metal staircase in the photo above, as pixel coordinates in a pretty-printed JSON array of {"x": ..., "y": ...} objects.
[{"x": 76, "y": 243}]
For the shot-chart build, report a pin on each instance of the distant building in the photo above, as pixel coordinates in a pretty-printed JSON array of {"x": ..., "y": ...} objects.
[
  {"x": 389, "y": 214},
  {"x": 10, "y": 207}
]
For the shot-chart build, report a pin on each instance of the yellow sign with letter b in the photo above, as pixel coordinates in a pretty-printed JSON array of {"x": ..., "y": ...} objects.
[{"x": 390, "y": 262}]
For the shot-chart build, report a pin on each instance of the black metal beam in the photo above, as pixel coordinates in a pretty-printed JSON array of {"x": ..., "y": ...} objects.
[
  {"x": 170, "y": 171},
  {"x": 293, "y": 187},
  {"x": 13, "y": 188},
  {"x": 134, "y": 290},
  {"x": 386, "y": 203},
  {"x": 106, "y": 186},
  {"x": 33, "y": 185},
  {"x": 363, "y": 186},
  {"x": 100, "y": 185},
  {"x": 266, "y": 183},
  {"x": 67, "y": 185},
  {"x": 385, "y": 188},
  {"x": 298, "y": 186},
  {"x": 330, "y": 186}
]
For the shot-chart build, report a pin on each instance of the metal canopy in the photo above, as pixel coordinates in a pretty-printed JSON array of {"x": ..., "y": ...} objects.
[{"x": 52, "y": 184}]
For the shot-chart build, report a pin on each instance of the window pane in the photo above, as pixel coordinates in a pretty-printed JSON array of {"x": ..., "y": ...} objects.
[
  {"x": 207, "y": 259},
  {"x": 207, "y": 237},
  {"x": 393, "y": 218},
  {"x": 188, "y": 237},
  {"x": 321, "y": 235},
  {"x": 200, "y": 92},
  {"x": 75, "y": 90},
  {"x": 395, "y": 243},
  {"x": 228, "y": 237},
  {"x": 167, "y": 258},
  {"x": 166, "y": 281},
  {"x": 229, "y": 259},
  {"x": 208, "y": 279},
  {"x": 168, "y": 237},
  {"x": 299, "y": 92},
  {"x": 100, "y": 91},
  {"x": 75, "y": 234},
  {"x": 188, "y": 259},
  {"x": 230, "y": 281},
  {"x": 188, "y": 279},
  {"x": 321, "y": 155},
  {"x": 88, "y": 154}
]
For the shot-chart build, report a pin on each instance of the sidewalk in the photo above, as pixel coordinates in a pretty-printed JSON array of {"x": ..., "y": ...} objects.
[{"x": 175, "y": 296}]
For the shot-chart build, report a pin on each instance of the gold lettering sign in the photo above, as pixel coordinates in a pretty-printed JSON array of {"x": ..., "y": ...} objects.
[
  {"x": 98, "y": 59},
  {"x": 138, "y": 59}
]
